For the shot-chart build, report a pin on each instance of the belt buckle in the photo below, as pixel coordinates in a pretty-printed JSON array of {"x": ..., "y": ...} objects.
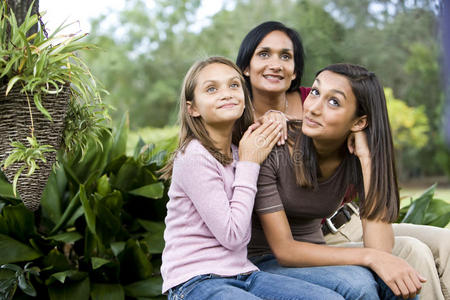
[
  {"x": 353, "y": 208},
  {"x": 330, "y": 225}
]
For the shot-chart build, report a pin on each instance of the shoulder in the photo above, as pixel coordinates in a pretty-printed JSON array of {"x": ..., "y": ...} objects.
[{"x": 194, "y": 155}]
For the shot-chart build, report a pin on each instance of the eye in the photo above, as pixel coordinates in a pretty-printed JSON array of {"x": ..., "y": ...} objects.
[
  {"x": 314, "y": 92},
  {"x": 211, "y": 89},
  {"x": 334, "y": 102},
  {"x": 263, "y": 54},
  {"x": 235, "y": 85},
  {"x": 285, "y": 57}
]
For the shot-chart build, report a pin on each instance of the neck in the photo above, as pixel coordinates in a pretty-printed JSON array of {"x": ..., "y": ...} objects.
[
  {"x": 262, "y": 102},
  {"x": 328, "y": 150},
  {"x": 221, "y": 136}
]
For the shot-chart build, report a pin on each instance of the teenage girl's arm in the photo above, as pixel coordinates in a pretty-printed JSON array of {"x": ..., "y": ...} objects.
[
  {"x": 196, "y": 172},
  {"x": 398, "y": 275},
  {"x": 376, "y": 234}
]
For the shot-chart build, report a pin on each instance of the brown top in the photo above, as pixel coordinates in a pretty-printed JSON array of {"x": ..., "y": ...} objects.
[{"x": 305, "y": 208}]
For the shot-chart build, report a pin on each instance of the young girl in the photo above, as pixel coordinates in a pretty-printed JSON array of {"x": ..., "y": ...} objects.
[
  {"x": 212, "y": 194},
  {"x": 271, "y": 57}
]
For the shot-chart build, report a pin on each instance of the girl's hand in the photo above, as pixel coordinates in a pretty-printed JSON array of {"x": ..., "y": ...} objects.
[
  {"x": 275, "y": 115},
  {"x": 258, "y": 141},
  {"x": 357, "y": 145},
  {"x": 401, "y": 278}
]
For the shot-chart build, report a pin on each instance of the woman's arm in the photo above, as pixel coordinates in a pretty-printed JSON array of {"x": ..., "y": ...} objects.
[{"x": 395, "y": 272}]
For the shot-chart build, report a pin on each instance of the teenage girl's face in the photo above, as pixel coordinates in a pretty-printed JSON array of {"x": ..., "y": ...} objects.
[
  {"x": 271, "y": 68},
  {"x": 329, "y": 110},
  {"x": 218, "y": 96}
]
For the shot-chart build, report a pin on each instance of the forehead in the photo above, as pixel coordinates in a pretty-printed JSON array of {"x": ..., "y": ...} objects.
[
  {"x": 333, "y": 81},
  {"x": 216, "y": 72},
  {"x": 276, "y": 39}
]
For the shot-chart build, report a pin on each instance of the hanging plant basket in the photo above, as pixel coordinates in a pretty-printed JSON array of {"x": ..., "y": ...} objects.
[{"x": 15, "y": 124}]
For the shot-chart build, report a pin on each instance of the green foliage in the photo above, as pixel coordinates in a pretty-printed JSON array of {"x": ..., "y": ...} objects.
[
  {"x": 41, "y": 66},
  {"x": 426, "y": 210},
  {"x": 100, "y": 231},
  {"x": 409, "y": 125}
]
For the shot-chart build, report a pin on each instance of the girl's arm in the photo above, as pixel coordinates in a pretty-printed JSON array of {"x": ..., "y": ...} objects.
[
  {"x": 395, "y": 272},
  {"x": 376, "y": 234}
]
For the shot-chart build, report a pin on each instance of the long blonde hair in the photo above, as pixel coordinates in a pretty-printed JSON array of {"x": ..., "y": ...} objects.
[{"x": 193, "y": 127}]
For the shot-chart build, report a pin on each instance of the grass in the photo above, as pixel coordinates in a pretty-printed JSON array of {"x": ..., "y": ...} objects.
[{"x": 414, "y": 192}]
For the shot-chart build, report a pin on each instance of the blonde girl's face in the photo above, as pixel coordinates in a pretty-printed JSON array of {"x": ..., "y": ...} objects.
[
  {"x": 218, "y": 96},
  {"x": 329, "y": 111}
]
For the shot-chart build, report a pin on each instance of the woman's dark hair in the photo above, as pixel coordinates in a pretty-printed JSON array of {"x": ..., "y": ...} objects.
[
  {"x": 256, "y": 35},
  {"x": 382, "y": 199}
]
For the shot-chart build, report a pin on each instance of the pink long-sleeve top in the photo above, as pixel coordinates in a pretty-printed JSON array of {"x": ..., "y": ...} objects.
[{"x": 208, "y": 221}]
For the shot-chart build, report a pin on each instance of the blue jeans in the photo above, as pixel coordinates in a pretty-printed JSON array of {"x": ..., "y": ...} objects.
[
  {"x": 257, "y": 285},
  {"x": 352, "y": 282}
]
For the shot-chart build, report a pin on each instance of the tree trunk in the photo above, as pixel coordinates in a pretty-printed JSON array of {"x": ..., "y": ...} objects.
[{"x": 20, "y": 8}]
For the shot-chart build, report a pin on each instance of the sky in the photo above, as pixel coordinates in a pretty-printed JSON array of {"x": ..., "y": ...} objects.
[{"x": 80, "y": 11}]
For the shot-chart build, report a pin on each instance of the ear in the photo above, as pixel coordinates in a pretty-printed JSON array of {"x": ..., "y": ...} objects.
[
  {"x": 359, "y": 124},
  {"x": 191, "y": 109},
  {"x": 294, "y": 75},
  {"x": 246, "y": 72}
]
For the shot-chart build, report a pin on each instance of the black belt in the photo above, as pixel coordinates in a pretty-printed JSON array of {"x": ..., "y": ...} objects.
[{"x": 340, "y": 217}]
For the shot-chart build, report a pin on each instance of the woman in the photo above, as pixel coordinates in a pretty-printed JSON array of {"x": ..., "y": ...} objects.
[{"x": 264, "y": 59}]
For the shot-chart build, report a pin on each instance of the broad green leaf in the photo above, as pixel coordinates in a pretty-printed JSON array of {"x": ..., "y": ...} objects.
[
  {"x": 107, "y": 292},
  {"x": 26, "y": 286},
  {"x": 51, "y": 201},
  {"x": 150, "y": 287},
  {"x": 153, "y": 227},
  {"x": 17, "y": 222},
  {"x": 117, "y": 247},
  {"x": 74, "y": 275},
  {"x": 103, "y": 186},
  {"x": 120, "y": 137},
  {"x": 70, "y": 291},
  {"x": 56, "y": 261},
  {"x": 70, "y": 210},
  {"x": 14, "y": 251},
  {"x": 67, "y": 237},
  {"x": 6, "y": 190},
  {"x": 153, "y": 191},
  {"x": 133, "y": 256},
  {"x": 418, "y": 208},
  {"x": 155, "y": 242},
  {"x": 97, "y": 262},
  {"x": 88, "y": 212}
]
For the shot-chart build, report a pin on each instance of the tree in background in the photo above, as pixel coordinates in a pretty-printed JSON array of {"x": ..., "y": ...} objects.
[{"x": 148, "y": 49}]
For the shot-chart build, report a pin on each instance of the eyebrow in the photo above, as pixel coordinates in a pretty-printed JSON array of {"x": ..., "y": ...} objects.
[
  {"x": 334, "y": 90},
  {"x": 215, "y": 81},
  {"x": 282, "y": 50}
]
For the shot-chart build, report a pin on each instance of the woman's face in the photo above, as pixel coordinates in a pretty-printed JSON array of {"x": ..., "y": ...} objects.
[
  {"x": 219, "y": 95},
  {"x": 271, "y": 68},
  {"x": 329, "y": 110}
]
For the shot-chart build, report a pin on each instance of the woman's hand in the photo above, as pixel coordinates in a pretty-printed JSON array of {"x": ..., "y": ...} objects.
[
  {"x": 357, "y": 145},
  {"x": 401, "y": 278},
  {"x": 258, "y": 141},
  {"x": 275, "y": 115}
]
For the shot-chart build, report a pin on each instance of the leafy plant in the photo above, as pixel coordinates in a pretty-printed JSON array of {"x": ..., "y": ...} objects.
[
  {"x": 426, "y": 210},
  {"x": 41, "y": 66},
  {"x": 100, "y": 229}
]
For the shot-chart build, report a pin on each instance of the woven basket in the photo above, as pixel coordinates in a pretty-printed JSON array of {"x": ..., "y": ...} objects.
[{"x": 15, "y": 125}]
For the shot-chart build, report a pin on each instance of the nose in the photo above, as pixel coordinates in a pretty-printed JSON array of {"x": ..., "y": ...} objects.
[
  {"x": 226, "y": 93},
  {"x": 314, "y": 106}
]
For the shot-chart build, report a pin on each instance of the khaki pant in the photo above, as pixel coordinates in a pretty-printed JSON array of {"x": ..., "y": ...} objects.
[{"x": 425, "y": 248}]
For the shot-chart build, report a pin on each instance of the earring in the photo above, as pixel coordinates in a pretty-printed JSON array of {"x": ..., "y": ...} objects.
[{"x": 246, "y": 73}]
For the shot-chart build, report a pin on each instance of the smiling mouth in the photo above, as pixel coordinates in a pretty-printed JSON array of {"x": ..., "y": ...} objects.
[
  {"x": 272, "y": 77},
  {"x": 228, "y": 105},
  {"x": 311, "y": 122}
]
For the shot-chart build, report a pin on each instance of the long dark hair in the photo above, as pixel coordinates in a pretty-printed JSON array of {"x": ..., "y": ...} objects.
[
  {"x": 382, "y": 199},
  {"x": 193, "y": 127},
  {"x": 256, "y": 35}
]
